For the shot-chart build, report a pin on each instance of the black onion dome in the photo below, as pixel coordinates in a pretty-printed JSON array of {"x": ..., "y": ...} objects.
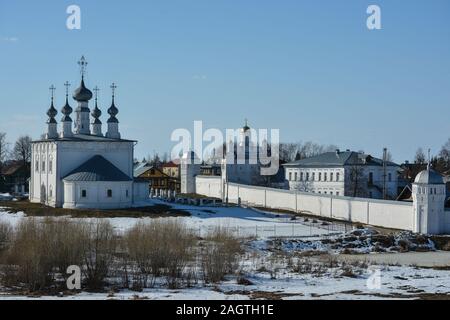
[
  {"x": 66, "y": 111},
  {"x": 113, "y": 111},
  {"x": 52, "y": 112},
  {"x": 96, "y": 112},
  {"x": 82, "y": 94}
]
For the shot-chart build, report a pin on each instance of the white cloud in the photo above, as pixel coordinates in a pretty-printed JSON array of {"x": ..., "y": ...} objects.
[
  {"x": 10, "y": 39},
  {"x": 199, "y": 77}
]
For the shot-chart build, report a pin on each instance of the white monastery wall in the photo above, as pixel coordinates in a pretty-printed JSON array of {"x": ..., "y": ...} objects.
[{"x": 389, "y": 214}]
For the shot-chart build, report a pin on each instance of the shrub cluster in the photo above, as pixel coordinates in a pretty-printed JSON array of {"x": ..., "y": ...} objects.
[{"x": 35, "y": 255}]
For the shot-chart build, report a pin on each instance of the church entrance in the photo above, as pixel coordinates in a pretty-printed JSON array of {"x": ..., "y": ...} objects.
[{"x": 43, "y": 194}]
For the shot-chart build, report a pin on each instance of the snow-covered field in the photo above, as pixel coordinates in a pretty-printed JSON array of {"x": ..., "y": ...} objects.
[
  {"x": 283, "y": 271},
  {"x": 241, "y": 221}
]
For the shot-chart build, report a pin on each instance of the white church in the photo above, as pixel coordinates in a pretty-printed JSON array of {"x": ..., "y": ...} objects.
[{"x": 79, "y": 166}]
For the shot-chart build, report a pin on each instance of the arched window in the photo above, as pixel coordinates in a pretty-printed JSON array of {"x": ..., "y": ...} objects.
[
  {"x": 50, "y": 164},
  {"x": 43, "y": 165}
]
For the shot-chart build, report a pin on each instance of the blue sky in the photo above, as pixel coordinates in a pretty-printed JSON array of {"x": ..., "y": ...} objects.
[{"x": 310, "y": 68}]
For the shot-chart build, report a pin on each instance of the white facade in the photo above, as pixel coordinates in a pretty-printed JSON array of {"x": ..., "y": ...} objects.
[
  {"x": 79, "y": 168},
  {"x": 344, "y": 174},
  {"x": 337, "y": 181},
  {"x": 53, "y": 160},
  {"x": 101, "y": 195}
]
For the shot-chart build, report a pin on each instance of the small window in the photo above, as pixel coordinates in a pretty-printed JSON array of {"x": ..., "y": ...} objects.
[
  {"x": 337, "y": 193},
  {"x": 50, "y": 166},
  {"x": 126, "y": 193},
  {"x": 290, "y": 176},
  {"x": 325, "y": 176},
  {"x": 301, "y": 176},
  {"x": 43, "y": 165},
  {"x": 307, "y": 176},
  {"x": 331, "y": 176},
  {"x": 337, "y": 176},
  {"x": 295, "y": 176},
  {"x": 314, "y": 176},
  {"x": 83, "y": 193},
  {"x": 320, "y": 176},
  {"x": 109, "y": 193},
  {"x": 36, "y": 166}
]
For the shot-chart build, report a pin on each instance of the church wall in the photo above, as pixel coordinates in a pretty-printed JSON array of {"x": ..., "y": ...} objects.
[
  {"x": 140, "y": 191},
  {"x": 72, "y": 154},
  {"x": 97, "y": 195},
  {"x": 43, "y": 184}
]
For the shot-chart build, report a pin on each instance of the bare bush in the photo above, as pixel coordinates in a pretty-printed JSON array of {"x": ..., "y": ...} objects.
[
  {"x": 219, "y": 256},
  {"x": 27, "y": 260},
  {"x": 160, "y": 248},
  {"x": 98, "y": 253},
  {"x": 66, "y": 239}
]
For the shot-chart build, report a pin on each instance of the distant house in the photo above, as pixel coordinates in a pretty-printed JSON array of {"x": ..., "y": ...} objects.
[
  {"x": 14, "y": 177},
  {"x": 347, "y": 173},
  {"x": 171, "y": 169},
  {"x": 158, "y": 181},
  {"x": 210, "y": 169}
]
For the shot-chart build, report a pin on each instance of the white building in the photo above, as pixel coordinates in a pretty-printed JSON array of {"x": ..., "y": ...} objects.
[
  {"x": 79, "y": 167},
  {"x": 344, "y": 174},
  {"x": 239, "y": 164},
  {"x": 429, "y": 195}
]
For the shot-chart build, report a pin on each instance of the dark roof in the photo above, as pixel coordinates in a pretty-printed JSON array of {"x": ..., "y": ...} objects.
[
  {"x": 337, "y": 159},
  {"x": 13, "y": 167},
  {"x": 142, "y": 169},
  {"x": 170, "y": 164},
  {"x": 97, "y": 168},
  {"x": 83, "y": 138}
]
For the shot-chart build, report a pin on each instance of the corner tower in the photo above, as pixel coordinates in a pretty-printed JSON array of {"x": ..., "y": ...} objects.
[{"x": 429, "y": 202}]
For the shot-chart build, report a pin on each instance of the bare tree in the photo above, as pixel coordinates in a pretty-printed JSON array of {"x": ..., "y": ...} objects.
[
  {"x": 303, "y": 186},
  {"x": 22, "y": 149},
  {"x": 4, "y": 149},
  {"x": 420, "y": 156},
  {"x": 357, "y": 184},
  {"x": 445, "y": 154}
]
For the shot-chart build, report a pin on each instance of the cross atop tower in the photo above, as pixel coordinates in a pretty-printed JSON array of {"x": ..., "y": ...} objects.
[
  {"x": 52, "y": 90},
  {"x": 113, "y": 87},
  {"x": 429, "y": 158},
  {"x": 67, "y": 85},
  {"x": 83, "y": 65},
  {"x": 96, "y": 90}
]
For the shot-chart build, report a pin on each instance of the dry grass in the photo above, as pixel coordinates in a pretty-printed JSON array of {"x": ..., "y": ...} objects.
[{"x": 6, "y": 232}]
